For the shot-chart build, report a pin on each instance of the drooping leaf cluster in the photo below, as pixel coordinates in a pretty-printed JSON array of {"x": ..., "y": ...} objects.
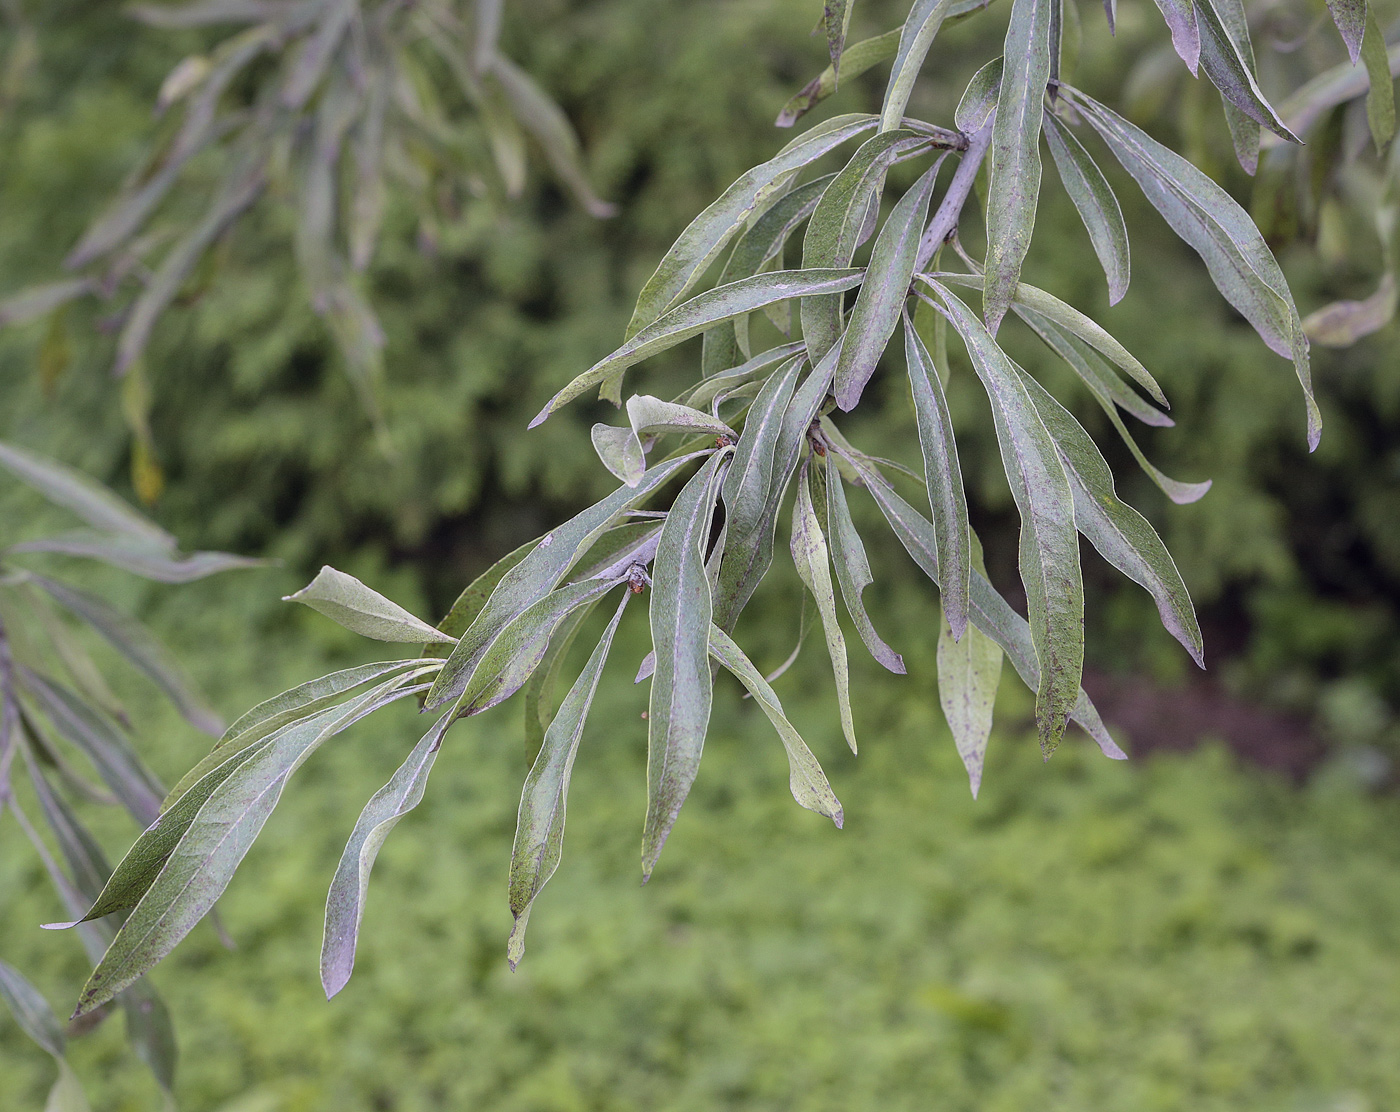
[
  {"x": 64, "y": 730},
  {"x": 758, "y": 438},
  {"x": 328, "y": 107}
]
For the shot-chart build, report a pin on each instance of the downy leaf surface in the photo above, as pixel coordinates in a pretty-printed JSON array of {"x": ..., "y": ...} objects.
[
  {"x": 852, "y": 572},
  {"x": 1096, "y": 204},
  {"x": 678, "y": 713},
  {"x": 360, "y": 609}
]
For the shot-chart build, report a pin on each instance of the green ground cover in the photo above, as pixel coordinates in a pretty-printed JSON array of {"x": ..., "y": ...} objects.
[{"x": 1176, "y": 933}]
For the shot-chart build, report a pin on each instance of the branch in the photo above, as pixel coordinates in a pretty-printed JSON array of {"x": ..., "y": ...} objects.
[{"x": 945, "y": 220}]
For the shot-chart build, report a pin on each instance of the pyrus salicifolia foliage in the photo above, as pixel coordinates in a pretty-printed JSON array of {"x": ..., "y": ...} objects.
[
  {"x": 758, "y": 439},
  {"x": 64, "y": 730},
  {"x": 327, "y": 107}
]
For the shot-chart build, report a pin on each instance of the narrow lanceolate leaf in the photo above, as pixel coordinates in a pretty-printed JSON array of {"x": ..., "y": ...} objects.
[
  {"x": 855, "y": 60},
  {"x": 1121, "y": 535},
  {"x": 1228, "y": 61},
  {"x": 836, "y": 17},
  {"x": 990, "y": 612},
  {"x": 1049, "y": 556},
  {"x": 1350, "y": 18},
  {"x": 299, "y": 702},
  {"x": 41, "y": 300},
  {"x": 1015, "y": 153},
  {"x": 678, "y": 713},
  {"x": 139, "y": 648},
  {"x": 515, "y": 654},
  {"x": 707, "y": 234},
  {"x": 539, "y": 828},
  {"x": 138, "y": 557},
  {"x": 1342, "y": 323},
  {"x": 94, "y": 503},
  {"x": 746, "y": 491},
  {"x": 835, "y": 229},
  {"x": 1206, "y": 217},
  {"x": 539, "y": 689},
  {"x": 805, "y": 776},
  {"x": 882, "y": 295},
  {"x": 943, "y": 478},
  {"x": 1096, "y": 204},
  {"x": 853, "y": 572},
  {"x": 345, "y": 903},
  {"x": 31, "y": 1011},
  {"x": 979, "y": 98},
  {"x": 348, "y": 602},
  {"x": 809, "y": 554},
  {"x": 201, "y": 865},
  {"x": 916, "y": 36},
  {"x": 1073, "y": 321},
  {"x": 1380, "y": 100},
  {"x": 701, "y": 312},
  {"x": 709, "y": 391},
  {"x": 969, "y": 672},
  {"x": 764, "y": 241},
  {"x": 1186, "y": 35},
  {"x": 101, "y": 741},
  {"x": 538, "y": 573},
  {"x": 1112, "y": 394}
]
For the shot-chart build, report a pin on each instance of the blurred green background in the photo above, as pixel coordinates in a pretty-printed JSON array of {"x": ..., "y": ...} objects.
[{"x": 1187, "y": 930}]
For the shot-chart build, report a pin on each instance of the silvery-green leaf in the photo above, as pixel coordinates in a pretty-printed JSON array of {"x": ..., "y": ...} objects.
[
  {"x": 1230, "y": 69},
  {"x": 943, "y": 478},
  {"x": 538, "y": 573},
  {"x": 707, "y": 234},
  {"x": 539, "y": 688},
  {"x": 979, "y": 98},
  {"x": 969, "y": 672},
  {"x": 650, "y": 415},
  {"x": 1380, "y": 100},
  {"x": 1121, "y": 535},
  {"x": 1208, "y": 219},
  {"x": 884, "y": 291},
  {"x": 1049, "y": 556},
  {"x": 94, "y": 503},
  {"x": 709, "y": 391},
  {"x": 853, "y": 572},
  {"x": 855, "y": 60},
  {"x": 243, "y": 186},
  {"x": 701, "y": 312},
  {"x": 763, "y": 241},
  {"x": 310, "y": 64},
  {"x": 1350, "y": 18},
  {"x": 806, "y": 779},
  {"x": 544, "y": 120},
  {"x": 348, "y": 602},
  {"x": 836, "y": 18},
  {"x": 916, "y": 36},
  {"x": 87, "y": 864},
  {"x": 539, "y": 828},
  {"x": 1342, "y": 323},
  {"x": 87, "y": 678},
  {"x": 299, "y": 702},
  {"x": 1186, "y": 35},
  {"x": 199, "y": 128},
  {"x": 1015, "y": 153},
  {"x": 1111, "y": 394},
  {"x": 1096, "y": 204},
  {"x": 39, "y": 301},
  {"x": 345, "y": 902},
  {"x": 200, "y": 866},
  {"x": 620, "y": 452},
  {"x": 809, "y": 555},
  {"x": 614, "y": 553},
  {"x": 678, "y": 712},
  {"x": 1073, "y": 321},
  {"x": 834, "y": 232},
  {"x": 990, "y": 612},
  {"x": 517, "y": 650},
  {"x": 746, "y": 492},
  {"x": 99, "y": 739},
  {"x": 31, "y": 1011},
  {"x": 1344, "y": 82},
  {"x": 138, "y": 556}
]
